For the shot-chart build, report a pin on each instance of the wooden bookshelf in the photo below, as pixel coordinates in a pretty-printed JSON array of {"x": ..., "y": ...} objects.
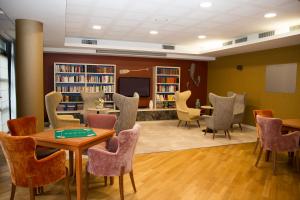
[
  {"x": 166, "y": 83},
  {"x": 73, "y": 78}
]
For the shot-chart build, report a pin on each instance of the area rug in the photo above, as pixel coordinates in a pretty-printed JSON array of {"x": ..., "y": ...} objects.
[{"x": 160, "y": 136}]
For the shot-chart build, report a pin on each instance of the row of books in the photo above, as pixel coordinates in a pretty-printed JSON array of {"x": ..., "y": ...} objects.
[
  {"x": 167, "y": 80},
  {"x": 70, "y": 88},
  {"x": 69, "y": 98},
  {"x": 98, "y": 88},
  {"x": 69, "y": 68},
  {"x": 100, "y": 69},
  {"x": 69, "y": 79},
  {"x": 100, "y": 79},
  {"x": 165, "y": 104},
  {"x": 165, "y": 97},
  {"x": 170, "y": 71},
  {"x": 69, "y": 107},
  {"x": 167, "y": 88}
]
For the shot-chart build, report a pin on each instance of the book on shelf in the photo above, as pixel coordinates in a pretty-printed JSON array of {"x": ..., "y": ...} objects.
[{"x": 69, "y": 68}]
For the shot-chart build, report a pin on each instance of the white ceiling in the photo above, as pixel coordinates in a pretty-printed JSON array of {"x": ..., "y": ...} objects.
[{"x": 178, "y": 22}]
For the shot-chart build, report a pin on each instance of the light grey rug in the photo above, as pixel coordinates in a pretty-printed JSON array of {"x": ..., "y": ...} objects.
[{"x": 158, "y": 136}]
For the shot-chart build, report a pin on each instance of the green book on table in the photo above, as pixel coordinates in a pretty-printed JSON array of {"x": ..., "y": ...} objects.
[{"x": 74, "y": 133}]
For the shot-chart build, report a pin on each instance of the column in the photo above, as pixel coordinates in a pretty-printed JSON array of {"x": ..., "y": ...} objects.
[{"x": 29, "y": 70}]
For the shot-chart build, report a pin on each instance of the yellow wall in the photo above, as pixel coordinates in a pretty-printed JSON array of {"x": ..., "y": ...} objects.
[{"x": 223, "y": 76}]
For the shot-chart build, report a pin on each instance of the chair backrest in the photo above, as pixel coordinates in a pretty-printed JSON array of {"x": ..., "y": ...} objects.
[
  {"x": 23, "y": 126},
  {"x": 19, "y": 152},
  {"x": 223, "y": 111},
  {"x": 270, "y": 131},
  {"x": 89, "y": 99},
  {"x": 52, "y": 100},
  {"x": 181, "y": 98},
  {"x": 105, "y": 121},
  {"x": 264, "y": 113},
  {"x": 127, "y": 144},
  {"x": 239, "y": 103},
  {"x": 128, "y": 111}
]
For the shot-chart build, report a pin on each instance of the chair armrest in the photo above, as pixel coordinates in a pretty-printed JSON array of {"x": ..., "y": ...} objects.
[
  {"x": 51, "y": 168},
  {"x": 292, "y": 134}
]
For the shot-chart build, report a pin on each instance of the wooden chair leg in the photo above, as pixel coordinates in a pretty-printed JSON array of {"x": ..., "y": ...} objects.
[
  {"x": 13, "y": 191},
  {"x": 225, "y": 133},
  {"x": 205, "y": 131},
  {"x": 71, "y": 163},
  {"x": 185, "y": 123},
  {"x": 274, "y": 162},
  {"x": 67, "y": 188},
  {"x": 189, "y": 125},
  {"x": 214, "y": 134},
  {"x": 132, "y": 180},
  {"x": 31, "y": 189},
  {"x": 198, "y": 123},
  {"x": 256, "y": 144},
  {"x": 259, "y": 156},
  {"x": 105, "y": 180},
  {"x": 240, "y": 127},
  {"x": 178, "y": 123},
  {"x": 297, "y": 158},
  {"x": 121, "y": 185},
  {"x": 111, "y": 180},
  {"x": 87, "y": 177},
  {"x": 228, "y": 134}
]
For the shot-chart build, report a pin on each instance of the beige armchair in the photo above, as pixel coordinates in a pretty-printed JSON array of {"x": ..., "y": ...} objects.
[
  {"x": 52, "y": 100},
  {"x": 238, "y": 108},
  {"x": 89, "y": 99},
  {"x": 185, "y": 113}
]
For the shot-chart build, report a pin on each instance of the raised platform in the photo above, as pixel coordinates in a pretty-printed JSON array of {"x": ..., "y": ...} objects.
[{"x": 146, "y": 114}]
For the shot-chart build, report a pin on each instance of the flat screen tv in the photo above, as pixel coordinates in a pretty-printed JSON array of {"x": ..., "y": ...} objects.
[{"x": 129, "y": 85}]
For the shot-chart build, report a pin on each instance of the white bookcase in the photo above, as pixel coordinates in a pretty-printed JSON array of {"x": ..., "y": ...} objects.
[
  {"x": 72, "y": 78},
  {"x": 166, "y": 81}
]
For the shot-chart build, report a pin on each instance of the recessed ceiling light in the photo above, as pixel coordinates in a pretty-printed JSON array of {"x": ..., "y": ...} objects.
[
  {"x": 153, "y": 32},
  {"x": 206, "y": 4},
  {"x": 201, "y": 36},
  {"x": 270, "y": 15},
  {"x": 96, "y": 27}
]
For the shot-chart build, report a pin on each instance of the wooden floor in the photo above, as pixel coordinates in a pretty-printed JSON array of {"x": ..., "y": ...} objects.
[{"x": 225, "y": 172}]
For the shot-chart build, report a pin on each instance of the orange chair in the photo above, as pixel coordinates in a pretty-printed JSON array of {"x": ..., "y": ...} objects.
[
  {"x": 26, "y": 126},
  {"x": 26, "y": 170},
  {"x": 263, "y": 113}
]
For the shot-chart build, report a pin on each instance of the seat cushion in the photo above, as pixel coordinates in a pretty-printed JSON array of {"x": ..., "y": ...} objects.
[{"x": 42, "y": 152}]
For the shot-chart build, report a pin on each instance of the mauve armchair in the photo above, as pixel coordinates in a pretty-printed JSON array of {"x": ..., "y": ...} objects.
[
  {"x": 263, "y": 113},
  {"x": 26, "y": 170},
  {"x": 271, "y": 139},
  {"x": 105, "y": 121},
  {"x": 105, "y": 163},
  {"x": 222, "y": 116}
]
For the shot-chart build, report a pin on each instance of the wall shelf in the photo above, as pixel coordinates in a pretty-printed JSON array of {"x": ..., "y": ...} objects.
[{"x": 73, "y": 78}]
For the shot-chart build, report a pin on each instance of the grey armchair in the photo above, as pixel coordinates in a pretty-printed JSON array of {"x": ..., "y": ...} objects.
[
  {"x": 128, "y": 111},
  {"x": 222, "y": 116},
  {"x": 238, "y": 108},
  {"x": 89, "y": 99}
]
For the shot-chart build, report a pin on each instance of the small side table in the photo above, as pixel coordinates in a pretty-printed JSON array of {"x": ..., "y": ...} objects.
[{"x": 210, "y": 109}]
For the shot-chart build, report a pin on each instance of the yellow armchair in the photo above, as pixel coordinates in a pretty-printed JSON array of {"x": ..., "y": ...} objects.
[
  {"x": 52, "y": 100},
  {"x": 185, "y": 113}
]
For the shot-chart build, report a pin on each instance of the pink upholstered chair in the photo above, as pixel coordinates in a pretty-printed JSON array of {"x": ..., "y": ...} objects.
[
  {"x": 272, "y": 139},
  {"x": 104, "y": 121},
  {"x": 105, "y": 163}
]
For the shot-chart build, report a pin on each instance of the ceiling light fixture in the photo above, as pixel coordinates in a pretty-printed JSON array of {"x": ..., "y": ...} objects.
[
  {"x": 201, "y": 36},
  {"x": 270, "y": 15},
  {"x": 97, "y": 27},
  {"x": 205, "y": 4},
  {"x": 153, "y": 32}
]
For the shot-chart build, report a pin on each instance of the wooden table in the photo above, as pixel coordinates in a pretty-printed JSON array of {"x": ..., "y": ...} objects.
[
  {"x": 77, "y": 145},
  {"x": 291, "y": 124}
]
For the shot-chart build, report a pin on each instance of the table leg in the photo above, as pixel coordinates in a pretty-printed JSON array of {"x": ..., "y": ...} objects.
[
  {"x": 71, "y": 161},
  {"x": 78, "y": 160}
]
